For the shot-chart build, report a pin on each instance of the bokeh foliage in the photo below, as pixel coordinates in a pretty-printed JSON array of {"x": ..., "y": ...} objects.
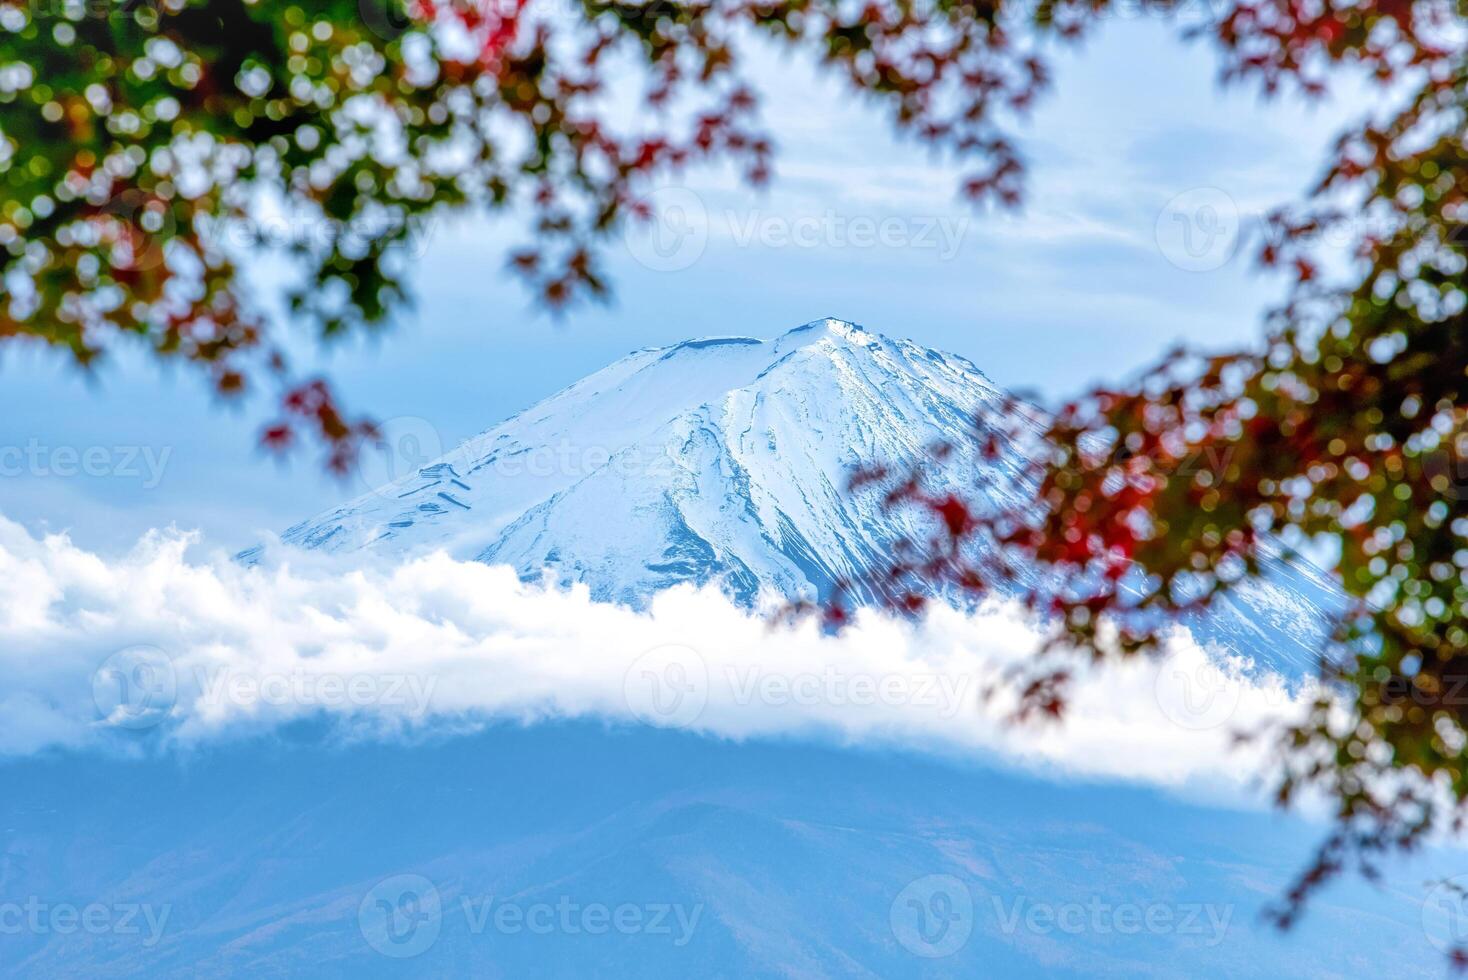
[{"x": 140, "y": 142}]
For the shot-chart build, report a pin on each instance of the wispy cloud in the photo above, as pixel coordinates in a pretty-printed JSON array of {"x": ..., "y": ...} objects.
[{"x": 158, "y": 648}]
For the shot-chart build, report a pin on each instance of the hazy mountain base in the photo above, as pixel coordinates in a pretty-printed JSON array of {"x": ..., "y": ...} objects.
[{"x": 782, "y": 859}]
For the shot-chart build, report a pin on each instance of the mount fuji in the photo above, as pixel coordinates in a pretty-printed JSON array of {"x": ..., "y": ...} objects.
[
  {"x": 318, "y": 849},
  {"x": 727, "y": 460}
]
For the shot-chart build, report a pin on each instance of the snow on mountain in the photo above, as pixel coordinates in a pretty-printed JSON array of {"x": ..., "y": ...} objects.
[
  {"x": 727, "y": 460},
  {"x": 722, "y": 459}
]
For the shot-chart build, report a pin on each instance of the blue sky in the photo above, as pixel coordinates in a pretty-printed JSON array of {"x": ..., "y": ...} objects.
[{"x": 1086, "y": 283}]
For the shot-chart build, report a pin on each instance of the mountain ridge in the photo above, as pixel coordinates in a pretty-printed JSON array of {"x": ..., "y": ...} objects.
[
  {"x": 705, "y": 444},
  {"x": 727, "y": 461}
]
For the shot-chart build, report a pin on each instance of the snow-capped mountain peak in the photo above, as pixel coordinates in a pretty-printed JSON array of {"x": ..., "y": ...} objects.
[
  {"x": 830, "y": 328},
  {"x": 722, "y": 458},
  {"x": 728, "y": 460}
]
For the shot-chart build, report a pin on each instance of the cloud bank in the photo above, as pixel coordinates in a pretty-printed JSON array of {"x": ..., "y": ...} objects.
[{"x": 160, "y": 648}]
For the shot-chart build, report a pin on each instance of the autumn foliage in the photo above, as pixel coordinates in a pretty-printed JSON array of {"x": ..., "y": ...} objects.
[{"x": 131, "y": 133}]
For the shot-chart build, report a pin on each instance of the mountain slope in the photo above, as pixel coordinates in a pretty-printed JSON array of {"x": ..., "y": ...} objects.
[
  {"x": 727, "y": 460},
  {"x": 724, "y": 459}
]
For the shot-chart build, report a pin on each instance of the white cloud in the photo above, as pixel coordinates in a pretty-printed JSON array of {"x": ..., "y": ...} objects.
[{"x": 160, "y": 648}]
